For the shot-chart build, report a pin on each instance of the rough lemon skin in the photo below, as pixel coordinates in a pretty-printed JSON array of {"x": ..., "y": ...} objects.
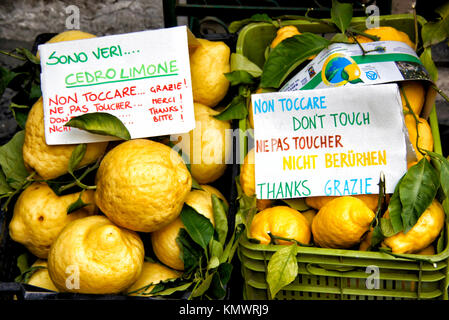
[
  {"x": 41, "y": 278},
  {"x": 92, "y": 255},
  {"x": 208, "y": 145},
  {"x": 208, "y": 64},
  {"x": 341, "y": 223},
  {"x": 163, "y": 240},
  {"x": 423, "y": 233},
  {"x": 281, "y": 221},
  {"x": 386, "y": 34},
  {"x": 284, "y": 33},
  {"x": 152, "y": 273},
  {"x": 142, "y": 184},
  {"x": 371, "y": 200},
  {"x": 51, "y": 161},
  {"x": 248, "y": 180},
  {"x": 416, "y": 95},
  {"x": 40, "y": 215},
  {"x": 425, "y": 139}
]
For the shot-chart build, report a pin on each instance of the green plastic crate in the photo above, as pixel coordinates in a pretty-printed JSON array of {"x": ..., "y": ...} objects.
[{"x": 342, "y": 274}]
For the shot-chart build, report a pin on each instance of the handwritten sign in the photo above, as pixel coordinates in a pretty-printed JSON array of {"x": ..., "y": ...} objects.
[
  {"x": 328, "y": 142},
  {"x": 143, "y": 78}
]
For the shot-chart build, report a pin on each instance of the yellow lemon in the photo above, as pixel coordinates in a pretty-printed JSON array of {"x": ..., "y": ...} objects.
[
  {"x": 142, "y": 184},
  {"x": 40, "y": 278},
  {"x": 425, "y": 140},
  {"x": 208, "y": 146},
  {"x": 163, "y": 240},
  {"x": 51, "y": 161},
  {"x": 309, "y": 215},
  {"x": 93, "y": 255},
  {"x": 422, "y": 234},
  {"x": 69, "y": 35},
  {"x": 341, "y": 223},
  {"x": 318, "y": 202},
  {"x": 208, "y": 64},
  {"x": 40, "y": 215},
  {"x": 386, "y": 34},
  {"x": 284, "y": 33},
  {"x": 416, "y": 95},
  {"x": 281, "y": 221},
  {"x": 152, "y": 274},
  {"x": 248, "y": 180},
  {"x": 428, "y": 251}
]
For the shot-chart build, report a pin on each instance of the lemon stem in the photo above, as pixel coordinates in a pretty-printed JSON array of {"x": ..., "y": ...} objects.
[{"x": 274, "y": 238}]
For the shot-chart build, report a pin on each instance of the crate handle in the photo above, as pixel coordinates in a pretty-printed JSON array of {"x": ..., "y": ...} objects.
[{"x": 318, "y": 269}]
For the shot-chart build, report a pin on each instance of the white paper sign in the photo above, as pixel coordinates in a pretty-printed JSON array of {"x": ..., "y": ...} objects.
[
  {"x": 328, "y": 142},
  {"x": 143, "y": 78}
]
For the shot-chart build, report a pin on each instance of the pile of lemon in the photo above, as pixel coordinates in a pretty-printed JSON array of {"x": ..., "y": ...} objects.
[
  {"x": 141, "y": 187},
  {"x": 344, "y": 221}
]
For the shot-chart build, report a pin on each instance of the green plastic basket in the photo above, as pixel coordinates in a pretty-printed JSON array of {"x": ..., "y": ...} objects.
[{"x": 342, "y": 274}]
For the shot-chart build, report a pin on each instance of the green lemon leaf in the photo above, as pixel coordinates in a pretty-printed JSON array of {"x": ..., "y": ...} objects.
[
  {"x": 197, "y": 226},
  {"x": 289, "y": 54},
  {"x": 204, "y": 286},
  {"x": 100, "y": 123},
  {"x": 395, "y": 210},
  {"x": 235, "y": 110},
  {"x": 341, "y": 15},
  {"x": 237, "y": 25},
  {"x": 217, "y": 288},
  {"x": 386, "y": 227},
  {"x": 215, "y": 248},
  {"x": 11, "y": 160},
  {"x": 5, "y": 189},
  {"x": 239, "y": 77},
  {"x": 168, "y": 291},
  {"x": 297, "y": 204},
  {"x": 20, "y": 113},
  {"x": 190, "y": 252},
  {"x": 282, "y": 268},
  {"x": 76, "y": 157},
  {"x": 220, "y": 218},
  {"x": 6, "y": 76},
  {"x": 418, "y": 188},
  {"x": 240, "y": 62},
  {"x": 427, "y": 61},
  {"x": 28, "y": 55},
  {"x": 434, "y": 32}
]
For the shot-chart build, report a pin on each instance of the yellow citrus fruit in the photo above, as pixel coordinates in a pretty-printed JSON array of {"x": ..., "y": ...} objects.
[
  {"x": 416, "y": 95},
  {"x": 93, "y": 255},
  {"x": 142, "y": 184},
  {"x": 422, "y": 234},
  {"x": 309, "y": 215},
  {"x": 40, "y": 278},
  {"x": 248, "y": 180},
  {"x": 281, "y": 221},
  {"x": 353, "y": 71},
  {"x": 40, "y": 215},
  {"x": 208, "y": 146},
  {"x": 208, "y": 64},
  {"x": 51, "y": 161},
  {"x": 69, "y": 35},
  {"x": 425, "y": 140},
  {"x": 284, "y": 33},
  {"x": 163, "y": 240},
  {"x": 341, "y": 223},
  {"x": 319, "y": 201},
  {"x": 152, "y": 274},
  {"x": 386, "y": 34}
]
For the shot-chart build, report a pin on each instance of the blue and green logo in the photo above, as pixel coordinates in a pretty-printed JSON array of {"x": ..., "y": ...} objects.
[{"x": 339, "y": 69}]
